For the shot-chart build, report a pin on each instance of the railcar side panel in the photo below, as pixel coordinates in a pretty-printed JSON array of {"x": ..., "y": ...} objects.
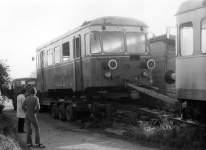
[{"x": 191, "y": 82}]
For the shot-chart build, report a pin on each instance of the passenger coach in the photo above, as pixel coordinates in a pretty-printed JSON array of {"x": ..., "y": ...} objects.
[
  {"x": 97, "y": 57},
  {"x": 191, "y": 58}
]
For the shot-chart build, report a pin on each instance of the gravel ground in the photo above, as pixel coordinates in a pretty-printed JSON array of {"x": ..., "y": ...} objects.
[{"x": 58, "y": 135}]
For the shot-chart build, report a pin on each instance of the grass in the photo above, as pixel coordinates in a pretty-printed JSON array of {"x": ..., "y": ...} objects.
[
  {"x": 169, "y": 134},
  {"x": 9, "y": 139}
]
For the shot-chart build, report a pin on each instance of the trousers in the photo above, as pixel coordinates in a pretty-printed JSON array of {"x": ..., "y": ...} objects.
[
  {"x": 32, "y": 120},
  {"x": 21, "y": 124}
]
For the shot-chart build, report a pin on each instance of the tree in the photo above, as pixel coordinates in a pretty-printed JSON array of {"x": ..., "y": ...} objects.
[{"x": 4, "y": 69}]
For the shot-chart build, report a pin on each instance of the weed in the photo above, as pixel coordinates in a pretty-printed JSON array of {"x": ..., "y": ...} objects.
[
  {"x": 9, "y": 139},
  {"x": 170, "y": 134}
]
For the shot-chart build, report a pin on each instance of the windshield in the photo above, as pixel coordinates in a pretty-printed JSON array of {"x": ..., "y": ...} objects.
[
  {"x": 113, "y": 42},
  {"x": 135, "y": 43}
]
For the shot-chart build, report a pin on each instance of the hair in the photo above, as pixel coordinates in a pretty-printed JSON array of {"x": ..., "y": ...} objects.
[
  {"x": 33, "y": 91},
  {"x": 23, "y": 91}
]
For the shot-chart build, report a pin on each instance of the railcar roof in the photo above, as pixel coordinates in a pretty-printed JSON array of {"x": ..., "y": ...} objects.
[
  {"x": 190, "y": 5},
  {"x": 112, "y": 21},
  {"x": 24, "y": 79}
]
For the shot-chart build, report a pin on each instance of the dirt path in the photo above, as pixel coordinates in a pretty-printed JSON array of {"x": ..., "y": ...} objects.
[{"x": 58, "y": 135}]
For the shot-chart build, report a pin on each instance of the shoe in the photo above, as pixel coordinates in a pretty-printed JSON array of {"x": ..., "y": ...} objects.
[{"x": 39, "y": 145}]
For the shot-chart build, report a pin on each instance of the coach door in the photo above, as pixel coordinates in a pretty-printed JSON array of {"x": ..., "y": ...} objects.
[
  {"x": 78, "y": 63},
  {"x": 42, "y": 77}
]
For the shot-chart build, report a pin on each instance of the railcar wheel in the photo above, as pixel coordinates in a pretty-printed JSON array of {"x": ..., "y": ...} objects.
[
  {"x": 70, "y": 113},
  {"x": 54, "y": 111},
  {"x": 62, "y": 113}
]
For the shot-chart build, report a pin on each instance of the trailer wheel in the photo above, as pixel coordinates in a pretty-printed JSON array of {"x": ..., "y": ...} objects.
[
  {"x": 69, "y": 113},
  {"x": 54, "y": 111},
  {"x": 62, "y": 113}
]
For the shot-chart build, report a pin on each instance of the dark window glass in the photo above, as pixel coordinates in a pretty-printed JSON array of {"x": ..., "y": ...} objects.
[
  {"x": 77, "y": 48},
  {"x": 65, "y": 51}
]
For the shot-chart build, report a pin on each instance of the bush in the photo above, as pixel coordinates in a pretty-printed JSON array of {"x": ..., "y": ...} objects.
[
  {"x": 9, "y": 139},
  {"x": 6, "y": 125}
]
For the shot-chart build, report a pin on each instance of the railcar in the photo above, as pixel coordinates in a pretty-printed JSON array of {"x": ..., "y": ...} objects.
[
  {"x": 190, "y": 74},
  {"x": 97, "y": 57}
]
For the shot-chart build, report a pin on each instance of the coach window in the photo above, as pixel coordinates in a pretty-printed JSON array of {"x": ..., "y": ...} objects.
[
  {"x": 113, "y": 42},
  {"x": 57, "y": 55},
  {"x": 77, "y": 47},
  {"x": 49, "y": 57},
  {"x": 135, "y": 43},
  {"x": 95, "y": 42},
  {"x": 66, "y": 51},
  {"x": 87, "y": 44},
  {"x": 186, "y": 39},
  {"x": 203, "y": 36}
]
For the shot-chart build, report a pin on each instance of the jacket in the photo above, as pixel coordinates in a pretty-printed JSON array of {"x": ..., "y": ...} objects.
[{"x": 20, "y": 113}]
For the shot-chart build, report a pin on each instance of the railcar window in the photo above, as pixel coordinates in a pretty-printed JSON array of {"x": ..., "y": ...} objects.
[
  {"x": 113, "y": 42},
  {"x": 57, "y": 55},
  {"x": 135, "y": 43},
  {"x": 65, "y": 51},
  {"x": 87, "y": 44},
  {"x": 95, "y": 42},
  {"x": 49, "y": 57},
  {"x": 77, "y": 48},
  {"x": 186, "y": 39},
  {"x": 203, "y": 36}
]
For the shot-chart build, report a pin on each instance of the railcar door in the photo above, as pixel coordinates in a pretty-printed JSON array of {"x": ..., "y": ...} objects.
[
  {"x": 42, "y": 77},
  {"x": 78, "y": 63}
]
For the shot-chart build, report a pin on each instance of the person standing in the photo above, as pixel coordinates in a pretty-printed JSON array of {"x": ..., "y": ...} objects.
[
  {"x": 20, "y": 112},
  {"x": 31, "y": 106}
]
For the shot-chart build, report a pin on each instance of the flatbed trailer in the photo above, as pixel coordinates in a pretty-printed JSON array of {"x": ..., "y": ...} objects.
[{"x": 65, "y": 109}]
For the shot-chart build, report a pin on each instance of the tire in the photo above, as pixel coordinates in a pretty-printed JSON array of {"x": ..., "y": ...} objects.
[
  {"x": 62, "y": 113},
  {"x": 70, "y": 114},
  {"x": 54, "y": 111}
]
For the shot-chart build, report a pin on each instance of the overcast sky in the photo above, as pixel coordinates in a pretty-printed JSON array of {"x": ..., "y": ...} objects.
[{"x": 27, "y": 24}]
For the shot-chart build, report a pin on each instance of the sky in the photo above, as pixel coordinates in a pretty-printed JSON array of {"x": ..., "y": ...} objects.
[{"x": 27, "y": 24}]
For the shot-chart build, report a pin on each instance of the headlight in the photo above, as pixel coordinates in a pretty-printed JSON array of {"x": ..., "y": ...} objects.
[
  {"x": 108, "y": 75},
  {"x": 151, "y": 64},
  {"x": 112, "y": 64}
]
